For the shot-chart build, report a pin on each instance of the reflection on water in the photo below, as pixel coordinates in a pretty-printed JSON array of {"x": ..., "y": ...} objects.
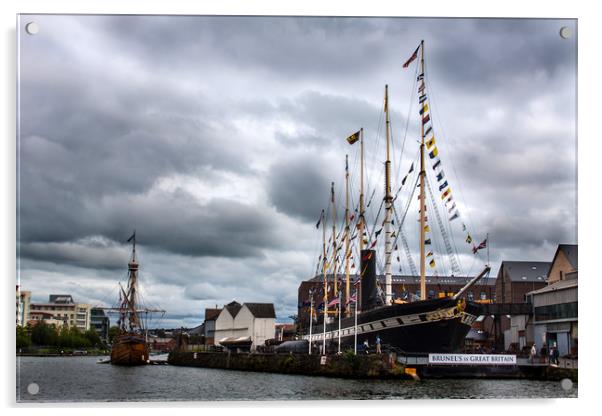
[{"x": 63, "y": 379}]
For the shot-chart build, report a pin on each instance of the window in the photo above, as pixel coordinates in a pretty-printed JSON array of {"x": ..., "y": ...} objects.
[
  {"x": 483, "y": 296},
  {"x": 470, "y": 295}
]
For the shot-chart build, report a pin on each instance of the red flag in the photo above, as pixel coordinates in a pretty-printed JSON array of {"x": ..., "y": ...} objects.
[{"x": 412, "y": 58}]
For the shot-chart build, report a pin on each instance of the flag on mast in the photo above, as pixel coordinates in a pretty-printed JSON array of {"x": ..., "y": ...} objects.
[
  {"x": 354, "y": 137},
  {"x": 412, "y": 58}
]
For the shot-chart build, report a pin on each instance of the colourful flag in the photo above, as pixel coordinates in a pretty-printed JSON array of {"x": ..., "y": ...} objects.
[
  {"x": 432, "y": 263},
  {"x": 333, "y": 302},
  {"x": 420, "y": 77},
  {"x": 354, "y": 137},
  {"x": 377, "y": 233},
  {"x": 446, "y": 193},
  {"x": 352, "y": 299},
  {"x": 433, "y": 153},
  {"x": 426, "y": 133},
  {"x": 451, "y": 209},
  {"x": 422, "y": 98},
  {"x": 373, "y": 244},
  {"x": 411, "y": 168},
  {"x": 437, "y": 163},
  {"x": 453, "y": 217},
  {"x": 427, "y": 241},
  {"x": 468, "y": 239},
  {"x": 421, "y": 88},
  {"x": 412, "y": 58},
  {"x": 426, "y": 119},
  {"x": 403, "y": 181},
  {"x": 430, "y": 253},
  {"x": 424, "y": 108},
  {"x": 440, "y": 176},
  {"x": 442, "y": 186},
  {"x": 430, "y": 142},
  {"x": 427, "y": 228},
  {"x": 480, "y": 246}
]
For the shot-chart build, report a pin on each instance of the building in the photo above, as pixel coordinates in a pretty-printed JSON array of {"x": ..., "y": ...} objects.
[
  {"x": 403, "y": 287},
  {"x": 514, "y": 280},
  {"x": 64, "y": 308},
  {"x": 47, "y": 317},
  {"x": 100, "y": 322},
  {"x": 555, "y": 318},
  {"x": 285, "y": 332},
  {"x": 23, "y": 301},
  {"x": 254, "y": 322},
  {"x": 211, "y": 315}
]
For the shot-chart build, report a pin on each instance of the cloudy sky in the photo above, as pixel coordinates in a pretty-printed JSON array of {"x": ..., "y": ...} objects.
[{"x": 216, "y": 138}]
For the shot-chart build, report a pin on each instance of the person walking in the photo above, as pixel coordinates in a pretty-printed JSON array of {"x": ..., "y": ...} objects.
[
  {"x": 366, "y": 346},
  {"x": 378, "y": 344},
  {"x": 533, "y": 353}
]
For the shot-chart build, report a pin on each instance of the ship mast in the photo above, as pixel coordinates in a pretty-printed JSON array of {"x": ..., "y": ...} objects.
[
  {"x": 347, "y": 281},
  {"x": 361, "y": 224},
  {"x": 422, "y": 194},
  {"x": 334, "y": 240},
  {"x": 324, "y": 264},
  {"x": 388, "y": 205}
]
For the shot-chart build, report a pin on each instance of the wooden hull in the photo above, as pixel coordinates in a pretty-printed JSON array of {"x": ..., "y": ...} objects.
[{"x": 129, "y": 349}]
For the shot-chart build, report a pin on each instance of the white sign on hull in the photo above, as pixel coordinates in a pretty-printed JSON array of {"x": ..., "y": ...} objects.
[{"x": 473, "y": 359}]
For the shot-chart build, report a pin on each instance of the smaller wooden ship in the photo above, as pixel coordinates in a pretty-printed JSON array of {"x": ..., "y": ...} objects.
[{"x": 130, "y": 346}]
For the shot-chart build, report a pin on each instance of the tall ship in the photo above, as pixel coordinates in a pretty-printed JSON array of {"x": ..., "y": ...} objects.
[
  {"x": 360, "y": 311},
  {"x": 130, "y": 347}
]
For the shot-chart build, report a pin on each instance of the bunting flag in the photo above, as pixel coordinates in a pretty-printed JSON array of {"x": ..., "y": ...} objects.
[
  {"x": 427, "y": 241},
  {"x": 448, "y": 200},
  {"x": 437, "y": 163},
  {"x": 426, "y": 133},
  {"x": 411, "y": 168},
  {"x": 432, "y": 263},
  {"x": 422, "y": 99},
  {"x": 421, "y": 88},
  {"x": 320, "y": 220},
  {"x": 424, "y": 108},
  {"x": 411, "y": 58},
  {"x": 468, "y": 239},
  {"x": 333, "y": 302},
  {"x": 354, "y": 137},
  {"x": 426, "y": 119},
  {"x": 430, "y": 142},
  {"x": 433, "y": 153},
  {"x": 453, "y": 217},
  {"x": 480, "y": 246},
  {"x": 429, "y": 254},
  {"x": 420, "y": 77},
  {"x": 440, "y": 176},
  {"x": 393, "y": 234},
  {"x": 442, "y": 186},
  {"x": 398, "y": 258},
  {"x": 395, "y": 247},
  {"x": 451, "y": 209},
  {"x": 463, "y": 227},
  {"x": 427, "y": 228},
  {"x": 403, "y": 181},
  {"x": 373, "y": 244},
  {"x": 446, "y": 193},
  {"x": 352, "y": 217},
  {"x": 132, "y": 237}
]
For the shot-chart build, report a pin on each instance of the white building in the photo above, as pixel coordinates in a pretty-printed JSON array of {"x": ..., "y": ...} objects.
[
  {"x": 255, "y": 322},
  {"x": 63, "y": 308}
]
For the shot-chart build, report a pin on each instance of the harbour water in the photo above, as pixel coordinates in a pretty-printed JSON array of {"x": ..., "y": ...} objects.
[{"x": 82, "y": 379}]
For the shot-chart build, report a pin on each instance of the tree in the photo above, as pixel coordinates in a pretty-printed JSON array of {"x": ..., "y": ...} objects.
[
  {"x": 42, "y": 334},
  {"x": 113, "y": 332},
  {"x": 92, "y": 336},
  {"x": 23, "y": 338}
]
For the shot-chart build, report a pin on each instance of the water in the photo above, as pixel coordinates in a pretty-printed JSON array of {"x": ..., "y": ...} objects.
[{"x": 68, "y": 379}]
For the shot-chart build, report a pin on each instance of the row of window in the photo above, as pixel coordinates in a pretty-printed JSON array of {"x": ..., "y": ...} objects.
[
  {"x": 431, "y": 295},
  {"x": 558, "y": 311}
]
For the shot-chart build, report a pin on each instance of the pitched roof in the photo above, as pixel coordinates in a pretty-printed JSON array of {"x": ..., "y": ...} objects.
[
  {"x": 211, "y": 314},
  {"x": 526, "y": 271},
  {"x": 262, "y": 310},
  {"x": 570, "y": 251},
  {"x": 233, "y": 307}
]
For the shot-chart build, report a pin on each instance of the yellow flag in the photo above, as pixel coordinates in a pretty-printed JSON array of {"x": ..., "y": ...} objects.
[
  {"x": 430, "y": 142},
  {"x": 354, "y": 137},
  {"x": 427, "y": 228},
  {"x": 432, "y": 263}
]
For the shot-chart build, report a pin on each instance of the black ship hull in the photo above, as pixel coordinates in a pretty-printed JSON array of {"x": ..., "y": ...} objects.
[{"x": 428, "y": 326}]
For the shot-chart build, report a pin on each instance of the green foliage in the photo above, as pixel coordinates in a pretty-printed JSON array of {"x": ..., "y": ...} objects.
[
  {"x": 23, "y": 337},
  {"x": 42, "y": 334},
  {"x": 113, "y": 332},
  {"x": 92, "y": 336}
]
